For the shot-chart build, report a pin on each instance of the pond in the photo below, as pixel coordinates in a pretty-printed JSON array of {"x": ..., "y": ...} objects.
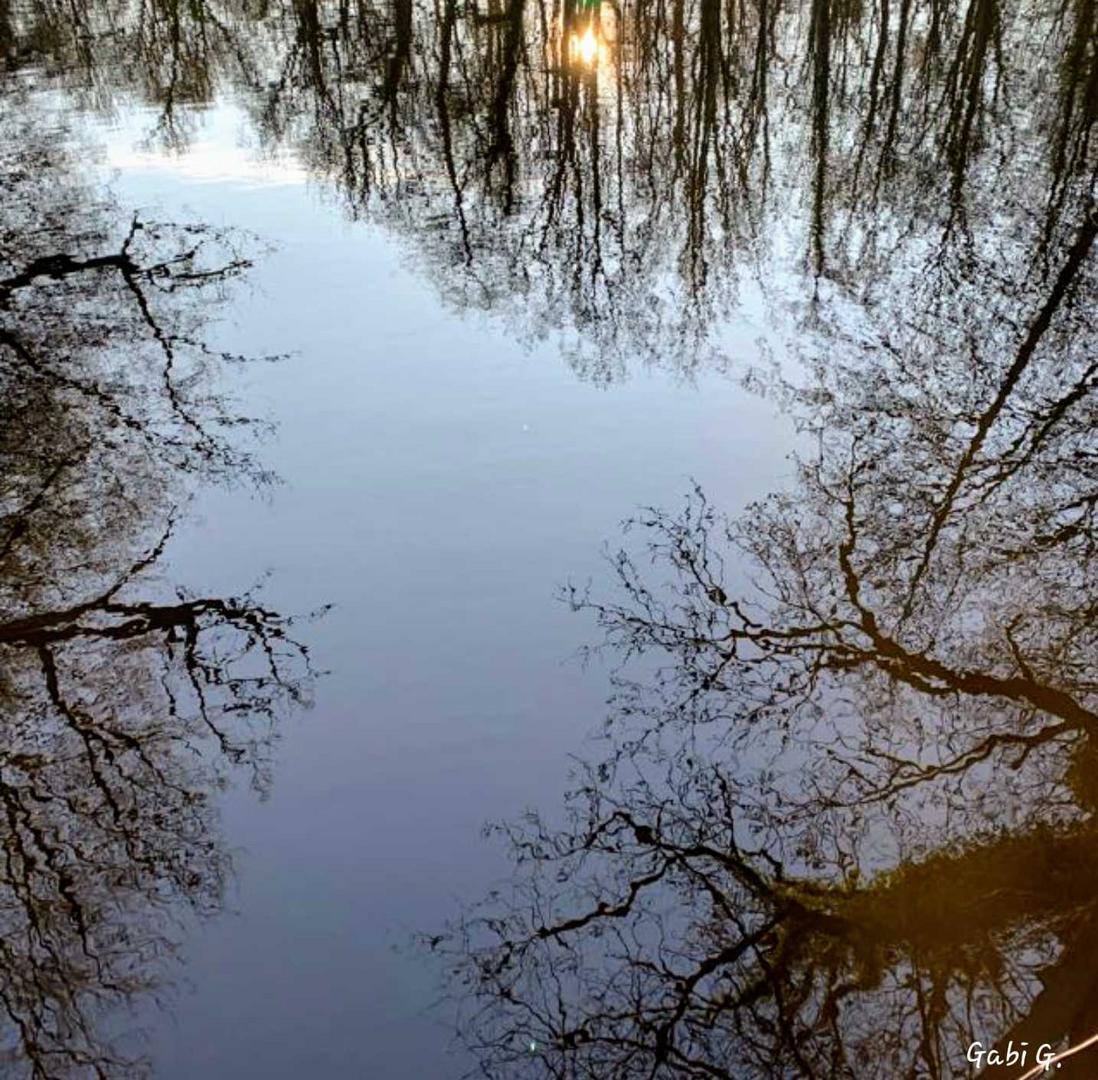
[{"x": 548, "y": 539}]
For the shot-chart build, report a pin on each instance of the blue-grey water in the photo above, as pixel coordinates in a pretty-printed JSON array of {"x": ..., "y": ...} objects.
[{"x": 340, "y": 340}]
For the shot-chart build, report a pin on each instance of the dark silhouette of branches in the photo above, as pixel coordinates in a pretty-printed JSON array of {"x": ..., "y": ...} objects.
[
  {"x": 126, "y": 704},
  {"x": 842, "y": 819},
  {"x": 623, "y": 205}
]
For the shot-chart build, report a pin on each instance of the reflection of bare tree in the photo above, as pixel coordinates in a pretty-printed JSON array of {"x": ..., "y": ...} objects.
[
  {"x": 121, "y": 719},
  {"x": 844, "y": 823},
  {"x": 124, "y": 707},
  {"x": 622, "y": 203},
  {"x": 654, "y": 937}
]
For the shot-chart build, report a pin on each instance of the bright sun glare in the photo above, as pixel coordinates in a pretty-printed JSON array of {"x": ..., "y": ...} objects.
[{"x": 587, "y": 46}]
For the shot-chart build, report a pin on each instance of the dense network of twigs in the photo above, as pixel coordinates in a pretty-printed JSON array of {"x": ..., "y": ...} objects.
[
  {"x": 842, "y": 820},
  {"x": 625, "y": 208},
  {"x": 125, "y": 704}
]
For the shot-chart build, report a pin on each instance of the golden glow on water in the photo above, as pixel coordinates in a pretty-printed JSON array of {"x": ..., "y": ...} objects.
[
  {"x": 589, "y": 47},
  {"x": 585, "y": 47},
  {"x": 588, "y": 41}
]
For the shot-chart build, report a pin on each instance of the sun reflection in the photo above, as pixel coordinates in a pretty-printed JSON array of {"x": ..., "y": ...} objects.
[
  {"x": 585, "y": 46},
  {"x": 589, "y": 39}
]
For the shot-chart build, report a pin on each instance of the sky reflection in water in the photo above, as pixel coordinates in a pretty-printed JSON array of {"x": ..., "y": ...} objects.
[{"x": 521, "y": 271}]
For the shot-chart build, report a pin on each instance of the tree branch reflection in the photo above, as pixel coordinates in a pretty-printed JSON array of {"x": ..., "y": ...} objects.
[
  {"x": 125, "y": 705},
  {"x": 844, "y": 816},
  {"x": 626, "y": 208}
]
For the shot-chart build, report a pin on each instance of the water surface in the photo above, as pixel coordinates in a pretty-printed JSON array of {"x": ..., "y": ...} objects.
[{"x": 338, "y": 340}]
